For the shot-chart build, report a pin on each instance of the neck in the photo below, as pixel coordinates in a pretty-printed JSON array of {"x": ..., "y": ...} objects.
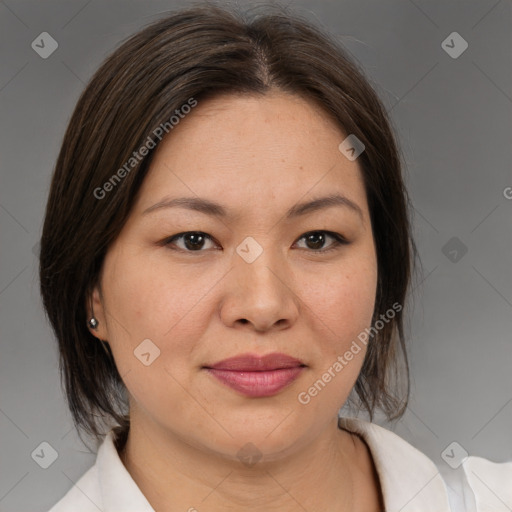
[{"x": 319, "y": 476}]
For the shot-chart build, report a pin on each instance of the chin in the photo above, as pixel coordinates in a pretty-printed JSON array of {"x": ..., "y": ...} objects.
[{"x": 256, "y": 437}]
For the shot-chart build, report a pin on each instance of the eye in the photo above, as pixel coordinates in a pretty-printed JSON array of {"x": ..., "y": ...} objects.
[
  {"x": 195, "y": 241},
  {"x": 316, "y": 239}
]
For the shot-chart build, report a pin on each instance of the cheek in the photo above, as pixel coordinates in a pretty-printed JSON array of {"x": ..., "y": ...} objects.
[
  {"x": 149, "y": 298},
  {"x": 147, "y": 301},
  {"x": 145, "y": 295},
  {"x": 344, "y": 301},
  {"x": 341, "y": 308}
]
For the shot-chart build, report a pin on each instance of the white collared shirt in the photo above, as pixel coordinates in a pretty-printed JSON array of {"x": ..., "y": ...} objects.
[{"x": 410, "y": 481}]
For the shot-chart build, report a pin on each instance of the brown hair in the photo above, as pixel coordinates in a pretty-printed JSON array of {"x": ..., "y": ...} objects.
[{"x": 196, "y": 54}]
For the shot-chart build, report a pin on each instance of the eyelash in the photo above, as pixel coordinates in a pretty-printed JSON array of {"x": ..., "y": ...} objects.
[{"x": 339, "y": 240}]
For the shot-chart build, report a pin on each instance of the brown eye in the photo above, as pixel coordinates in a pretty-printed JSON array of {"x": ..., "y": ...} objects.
[
  {"x": 193, "y": 241},
  {"x": 315, "y": 240}
]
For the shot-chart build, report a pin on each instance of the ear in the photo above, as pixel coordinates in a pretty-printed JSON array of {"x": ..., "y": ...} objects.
[{"x": 96, "y": 309}]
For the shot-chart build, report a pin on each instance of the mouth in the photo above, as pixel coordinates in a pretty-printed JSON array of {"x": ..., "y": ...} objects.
[{"x": 256, "y": 376}]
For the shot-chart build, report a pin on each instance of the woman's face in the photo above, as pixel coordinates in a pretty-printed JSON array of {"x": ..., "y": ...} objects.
[{"x": 254, "y": 281}]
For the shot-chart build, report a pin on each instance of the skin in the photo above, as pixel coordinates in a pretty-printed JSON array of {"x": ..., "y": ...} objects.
[{"x": 258, "y": 156}]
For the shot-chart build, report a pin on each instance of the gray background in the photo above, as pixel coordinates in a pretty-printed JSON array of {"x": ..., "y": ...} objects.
[{"x": 453, "y": 119}]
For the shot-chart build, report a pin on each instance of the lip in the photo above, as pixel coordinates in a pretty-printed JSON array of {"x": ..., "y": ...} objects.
[{"x": 257, "y": 376}]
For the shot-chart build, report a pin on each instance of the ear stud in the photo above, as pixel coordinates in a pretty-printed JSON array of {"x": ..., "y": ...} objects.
[{"x": 93, "y": 323}]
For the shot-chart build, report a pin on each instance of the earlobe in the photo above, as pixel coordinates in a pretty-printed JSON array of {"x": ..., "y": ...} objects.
[{"x": 95, "y": 314}]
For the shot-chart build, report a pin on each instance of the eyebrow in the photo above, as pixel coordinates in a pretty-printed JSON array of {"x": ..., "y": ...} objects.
[{"x": 217, "y": 210}]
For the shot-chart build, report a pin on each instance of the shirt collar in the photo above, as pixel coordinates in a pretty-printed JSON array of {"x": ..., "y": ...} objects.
[
  {"x": 118, "y": 489},
  {"x": 410, "y": 481}
]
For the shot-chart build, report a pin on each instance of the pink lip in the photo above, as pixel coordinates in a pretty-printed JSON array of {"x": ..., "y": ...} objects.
[{"x": 256, "y": 376}]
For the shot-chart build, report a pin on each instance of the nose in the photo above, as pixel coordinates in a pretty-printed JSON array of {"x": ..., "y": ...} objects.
[{"x": 260, "y": 296}]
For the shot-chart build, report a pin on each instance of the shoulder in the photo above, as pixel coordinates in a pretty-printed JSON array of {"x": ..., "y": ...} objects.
[
  {"x": 410, "y": 481},
  {"x": 84, "y": 496}
]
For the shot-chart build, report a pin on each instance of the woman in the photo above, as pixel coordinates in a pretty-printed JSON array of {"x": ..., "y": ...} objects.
[{"x": 225, "y": 259}]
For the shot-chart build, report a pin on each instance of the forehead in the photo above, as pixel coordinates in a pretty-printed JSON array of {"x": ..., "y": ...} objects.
[{"x": 247, "y": 150}]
